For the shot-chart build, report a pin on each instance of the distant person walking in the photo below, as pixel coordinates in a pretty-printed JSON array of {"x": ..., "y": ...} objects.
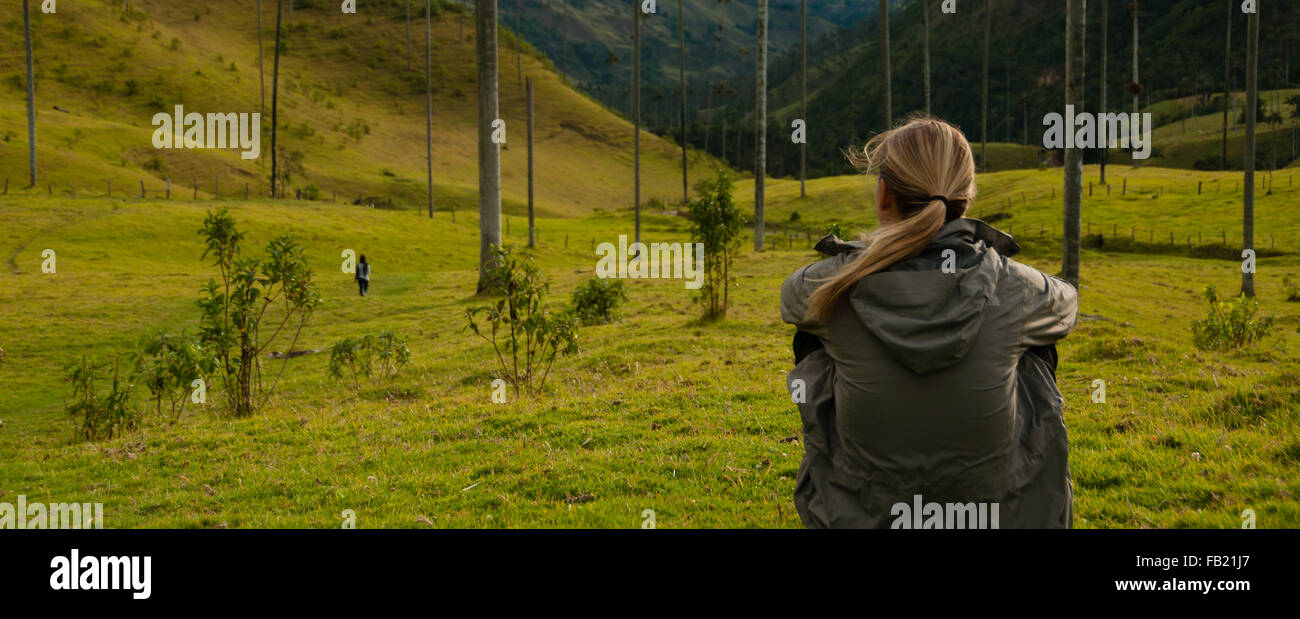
[{"x": 363, "y": 275}]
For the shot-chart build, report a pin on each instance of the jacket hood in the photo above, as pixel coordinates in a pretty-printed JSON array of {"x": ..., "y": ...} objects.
[{"x": 927, "y": 318}]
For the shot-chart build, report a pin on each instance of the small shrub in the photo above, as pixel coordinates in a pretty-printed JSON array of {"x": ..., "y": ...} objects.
[
  {"x": 95, "y": 414},
  {"x": 168, "y": 365},
  {"x": 279, "y": 286},
  {"x": 1231, "y": 324},
  {"x": 525, "y": 337},
  {"x": 596, "y": 301},
  {"x": 383, "y": 354},
  {"x": 716, "y": 223},
  {"x": 836, "y": 229}
]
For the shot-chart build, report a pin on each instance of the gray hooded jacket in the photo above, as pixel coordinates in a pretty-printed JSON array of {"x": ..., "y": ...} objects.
[{"x": 933, "y": 384}]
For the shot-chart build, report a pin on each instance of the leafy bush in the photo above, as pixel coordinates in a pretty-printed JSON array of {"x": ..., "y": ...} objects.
[
  {"x": 525, "y": 337},
  {"x": 716, "y": 222},
  {"x": 1231, "y": 324},
  {"x": 596, "y": 301},
  {"x": 279, "y": 286},
  {"x": 168, "y": 365},
  {"x": 100, "y": 415},
  {"x": 836, "y": 229},
  {"x": 383, "y": 354}
]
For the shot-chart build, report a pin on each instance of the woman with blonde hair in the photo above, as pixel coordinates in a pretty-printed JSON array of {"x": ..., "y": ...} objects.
[{"x": 925, "y": 357}]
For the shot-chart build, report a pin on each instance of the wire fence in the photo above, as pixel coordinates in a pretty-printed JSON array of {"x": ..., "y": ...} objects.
[{"x": 791, "y": 234}]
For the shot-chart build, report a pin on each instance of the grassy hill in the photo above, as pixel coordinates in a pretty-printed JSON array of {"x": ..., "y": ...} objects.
[{"x": 352, "y": 114}]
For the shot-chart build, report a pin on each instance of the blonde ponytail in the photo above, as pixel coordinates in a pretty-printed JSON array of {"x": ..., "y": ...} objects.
[{"x": 929, "y": 169}]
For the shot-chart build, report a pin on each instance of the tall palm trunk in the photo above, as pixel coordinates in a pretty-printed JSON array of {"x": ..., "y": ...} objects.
[
  {"x": 1252, "y": 99},
  {"x": 564, "y": 43},
  {"x": 925, "y": 14},
  {"x": 489, "y": 153},
  {"x": 408, "y": 29},
  {"x": 532, "y": 226},
  {"x": 636, "y": 114},
  {"x": 519, "y": 40},
  {"x": 984, "y": 106},
  {"x": 1137, "y": 85},
  {"x": 428, "y": 92},
  {"x": 261, "y": 72},
  {"x": 31, "y": 95},
  {"x": 1105, "y": 47},
  {"x": 886, "y": 96},
  {"x": 275, "y": 103},
  {"x": 760, "y": 126},
  {"x": 803, "y": 97},
  {"x": 1227, "y": 83},
  {"x": 681, "y": 84},
  {"x": 1073, "y": 191}
]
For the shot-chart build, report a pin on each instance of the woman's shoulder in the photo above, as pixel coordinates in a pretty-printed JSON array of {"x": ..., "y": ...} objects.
[{"x": 799, "y": 287}]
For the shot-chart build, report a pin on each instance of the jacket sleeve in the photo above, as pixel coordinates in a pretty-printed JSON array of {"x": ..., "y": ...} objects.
[
  {"x": 797, "y": 291},
  {"x": 1051, "y": 306}
]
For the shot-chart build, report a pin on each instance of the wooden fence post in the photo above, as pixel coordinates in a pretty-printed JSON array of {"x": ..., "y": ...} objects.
[
  {"x": 142, "y": 193},
  {"x": 169, "y": 188},
  {"x": 110, "y": 188}
]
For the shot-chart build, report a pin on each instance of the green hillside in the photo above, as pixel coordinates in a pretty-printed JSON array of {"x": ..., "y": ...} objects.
[
  {"x": 352, "y": 114},
  {"x": 1181, "y": 56}
]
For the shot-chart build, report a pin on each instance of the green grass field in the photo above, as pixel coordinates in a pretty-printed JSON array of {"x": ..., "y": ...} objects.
[{"x": 659, "y": 411}]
